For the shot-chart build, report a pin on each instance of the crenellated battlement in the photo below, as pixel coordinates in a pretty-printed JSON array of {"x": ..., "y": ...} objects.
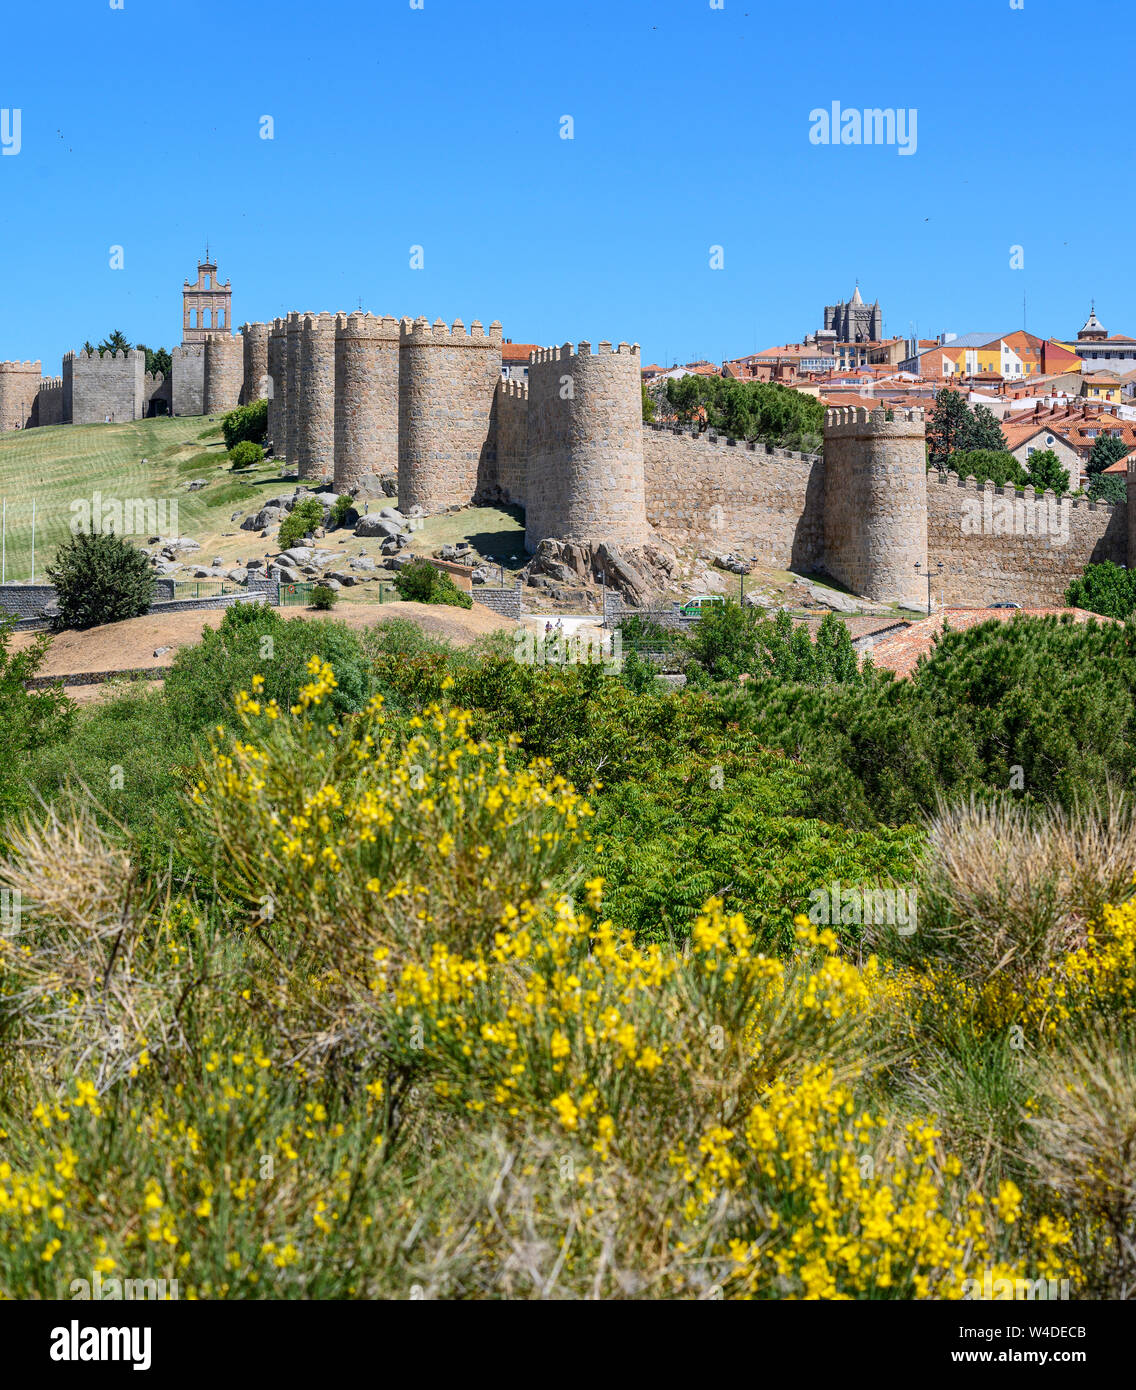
[
  {"x": 21, "y": 368},
  {"x": 119, "y": 356},
  {"x": 515, "y": 390},
  {"x": 360, "y": 325},
  {"x": 945, "y": 478},
  {"x": 564, "y": 351},
  {"x": 420, "y": 332},
  {"x": 711, "y": 439}
]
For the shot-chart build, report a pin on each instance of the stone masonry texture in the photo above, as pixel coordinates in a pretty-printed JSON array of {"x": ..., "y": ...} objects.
[
  {"x": 585, "y": 474},
  {"x": 277, "y": 392},
  {"x": 111, "y": 385},
  {"x": 224, "y": 373},
  {"x": 188, "y": 369},
  {"x": 293, "y": 329},
  {"x": 315, "y": 444},
  {"x": 366, "y": 398},
  {"x": 875, "y": 502},
  {"x": 447, "y": 387},
  {"x": 254, "y": 337}
]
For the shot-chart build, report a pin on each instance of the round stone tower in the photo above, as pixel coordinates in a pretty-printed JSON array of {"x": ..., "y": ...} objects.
[
  {"x": 585, "y": 479},
  {"x": 19, "y": 386},
  {"x": 315, "y": 447},
  {"x": 447, "y": 380},
  {"x": 366, "y": 398},
  {"x": 277, "y": 389},
  {"x": 875, "y": 503},
  {"x": 292, "y": 330},
  {"x": 255, "y": 339},
  {"x": 224, "y": 372}
]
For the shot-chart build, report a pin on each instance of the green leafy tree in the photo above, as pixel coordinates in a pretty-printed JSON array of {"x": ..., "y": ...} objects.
[
  {"x": 648, "y": 405},
  {"x": 204, "y": 681},
  {"x": 100, "y": 578},
  {"x": 988, "y": 465},
  {"x": 324, "y": 597},
  {"x": 1106, "y": 450},
  {"x": 1105, "y": 588},
  {"x": 1043, "y": 470},
  {"x": 114, "y": 342}
]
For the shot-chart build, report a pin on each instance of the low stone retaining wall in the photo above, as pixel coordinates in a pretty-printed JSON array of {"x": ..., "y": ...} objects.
[{"x": 507, "y": 602}]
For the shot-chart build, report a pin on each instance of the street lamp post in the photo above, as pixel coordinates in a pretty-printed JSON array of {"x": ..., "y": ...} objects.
[{"x": 939, "y": 571}]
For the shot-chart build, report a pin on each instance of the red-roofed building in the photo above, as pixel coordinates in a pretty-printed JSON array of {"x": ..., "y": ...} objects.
[{"x": 515, "y": 360}]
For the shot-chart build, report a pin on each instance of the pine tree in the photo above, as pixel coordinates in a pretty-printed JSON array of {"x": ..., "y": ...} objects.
[{"x": 1106, "y": 450}]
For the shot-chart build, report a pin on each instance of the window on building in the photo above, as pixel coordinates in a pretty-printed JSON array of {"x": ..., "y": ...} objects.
[
  {"x": 220, "y": 318},
  {"x": 206, "y": 318},
  {"x": 1031, "y": 449}
]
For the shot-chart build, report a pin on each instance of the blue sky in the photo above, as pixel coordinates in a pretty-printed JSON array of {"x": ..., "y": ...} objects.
[{"x": 440, "y": 127}]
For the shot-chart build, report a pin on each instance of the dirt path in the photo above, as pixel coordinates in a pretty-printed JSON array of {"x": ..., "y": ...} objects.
[{"x": 131, "y": 645}]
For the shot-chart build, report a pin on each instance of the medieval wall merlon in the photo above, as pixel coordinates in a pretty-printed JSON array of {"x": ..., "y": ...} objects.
[
  {"x": 422, "y": 331},
  {"x": 945, "y": 478},
  {"x": 711, "y": 439},
  {"x": 857, "y": 422}
]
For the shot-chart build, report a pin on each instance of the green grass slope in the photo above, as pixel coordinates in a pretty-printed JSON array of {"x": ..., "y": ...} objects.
[{"x": 62, "y": 465}]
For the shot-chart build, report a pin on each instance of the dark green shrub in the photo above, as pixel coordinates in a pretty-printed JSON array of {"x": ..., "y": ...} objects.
[
  {"x": 246, "y": 422},
  {"x": 324, "y": 597},
  {"x": 245, "y": 454},
  {"x": 421, "y": 582},
  {"x": 1105, "y": 588},
  {"x": 304, "y": 517},
  {"x": 29, "y": 719},
  {"x": 343, "y": 505},
  {"x": 204, "y": 680},
  {"x": 100, "y": 578}
]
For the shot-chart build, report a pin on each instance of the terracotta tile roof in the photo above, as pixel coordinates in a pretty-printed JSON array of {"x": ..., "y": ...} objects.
[
  {"x": 901, "y": 651},
  {"x": 1077, "y": 425},
  {"x": 518, "y": 352}
]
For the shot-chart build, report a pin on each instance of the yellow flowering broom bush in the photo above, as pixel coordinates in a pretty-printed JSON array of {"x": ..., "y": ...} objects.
[{"x": 389, "y": 1041}]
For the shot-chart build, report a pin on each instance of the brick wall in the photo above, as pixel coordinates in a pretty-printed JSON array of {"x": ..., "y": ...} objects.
[{"x": 728, "y": 495}]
